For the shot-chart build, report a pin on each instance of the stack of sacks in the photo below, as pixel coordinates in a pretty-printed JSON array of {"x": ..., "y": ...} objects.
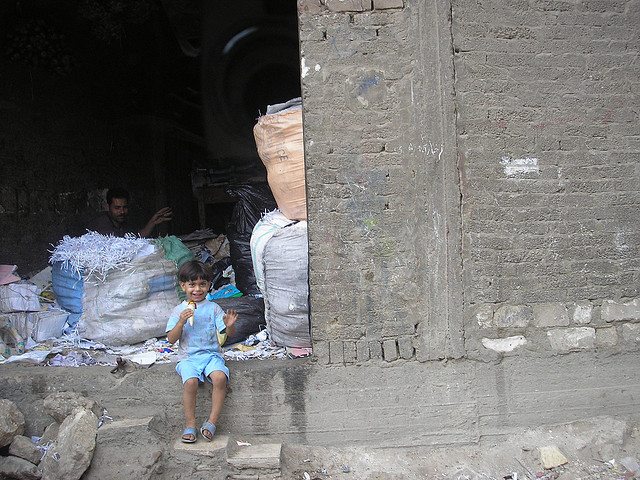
[{"x": 279, "y": 244}]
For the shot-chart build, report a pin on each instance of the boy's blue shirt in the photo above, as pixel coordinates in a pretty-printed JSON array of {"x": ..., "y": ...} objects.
[{"x": 201, "y": 338}]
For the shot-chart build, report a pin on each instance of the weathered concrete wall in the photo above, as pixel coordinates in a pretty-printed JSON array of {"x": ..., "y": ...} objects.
[{"x": 409, "y": 404}]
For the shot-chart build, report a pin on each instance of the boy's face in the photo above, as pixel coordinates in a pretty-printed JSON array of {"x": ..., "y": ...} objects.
[{"x": 196, "y": 290}]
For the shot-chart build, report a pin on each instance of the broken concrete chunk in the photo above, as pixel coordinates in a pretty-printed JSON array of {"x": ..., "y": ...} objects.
[
  {"x": 72, "y": 452},
  {"x": 552, "y": 457},
  {"x": 631, "y": 464},
  {"x": 50, "y": 434},
  {"x": 24, "y": 448},
  {"x": 14, "y": 467},
  {"x": 61, "y": 404},
  {"x": 11, "y": 422}
]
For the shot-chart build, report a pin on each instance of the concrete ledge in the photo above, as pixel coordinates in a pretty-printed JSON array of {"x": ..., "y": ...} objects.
[{"x": 376, "y": 404}]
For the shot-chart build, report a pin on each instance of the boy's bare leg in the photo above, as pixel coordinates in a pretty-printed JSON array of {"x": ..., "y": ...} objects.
[
  {"x": 218, "y": 392},
  {"x": 189, "y": 392}
]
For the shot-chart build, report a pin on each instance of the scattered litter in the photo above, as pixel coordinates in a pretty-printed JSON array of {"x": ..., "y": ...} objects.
[
  {"x": 72, "y": 350},
  {"x": 551, "y": 457},
  {"x": 104, "y": 418},
  {"x": 144, "y": 358},
  {"x": 72, "y": 359},
  {"x": 255, "y": 346},
  {"x": 345, "y": 468},
  {"x": 298, "y": 352},
  {"x": 307, "y": 476},
  {"x": 36, "y": 357},
  {"x": 43, "y": 448},
  {"x": 243, "y": 444}
]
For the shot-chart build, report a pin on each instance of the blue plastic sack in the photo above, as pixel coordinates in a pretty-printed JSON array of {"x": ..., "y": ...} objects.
[{"x": 68, "y": 287}]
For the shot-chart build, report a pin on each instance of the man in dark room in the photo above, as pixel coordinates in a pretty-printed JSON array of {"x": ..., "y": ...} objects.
[{"x": 114, "y": 220}]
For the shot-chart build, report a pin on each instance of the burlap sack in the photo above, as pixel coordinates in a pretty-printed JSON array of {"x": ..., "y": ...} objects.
[{"x": 280, "y": 147}]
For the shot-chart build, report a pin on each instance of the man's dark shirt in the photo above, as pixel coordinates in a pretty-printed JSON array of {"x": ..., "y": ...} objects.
[{"x": 103, "y": 224}]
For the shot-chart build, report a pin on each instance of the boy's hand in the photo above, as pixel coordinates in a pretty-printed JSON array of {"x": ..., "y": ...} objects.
[
  {"x": 230, "y": 317},
  {"x": 185, "y": 314}
]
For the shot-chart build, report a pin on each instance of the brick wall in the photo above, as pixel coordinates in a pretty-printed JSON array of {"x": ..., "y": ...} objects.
[
  {"x": 548, "y": 134},
  {"x": 515, "y": 124},
  {"x": 382, "y": 189}
]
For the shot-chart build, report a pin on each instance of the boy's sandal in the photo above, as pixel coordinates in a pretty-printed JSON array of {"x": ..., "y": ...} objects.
[
  {"x": 208, "y": 427},
  {"x": 189, "y": 435}
]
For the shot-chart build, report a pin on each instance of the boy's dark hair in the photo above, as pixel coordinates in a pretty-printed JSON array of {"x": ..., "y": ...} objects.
[
  {"x": 116, "y": 193},
  {"x": 194, "y": 270}
]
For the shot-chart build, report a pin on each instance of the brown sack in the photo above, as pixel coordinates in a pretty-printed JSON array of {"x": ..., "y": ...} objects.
[{"x": 280, "y": 146}]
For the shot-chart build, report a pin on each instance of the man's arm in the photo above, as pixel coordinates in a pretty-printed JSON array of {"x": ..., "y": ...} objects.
[{"x": 163, "y": 215}]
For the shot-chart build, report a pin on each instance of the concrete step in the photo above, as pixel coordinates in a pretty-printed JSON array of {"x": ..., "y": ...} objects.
[
  {"x": 215, "y": 448},
  {"x": 201, "y": 460},
  {"x": 255, "y": 462}
]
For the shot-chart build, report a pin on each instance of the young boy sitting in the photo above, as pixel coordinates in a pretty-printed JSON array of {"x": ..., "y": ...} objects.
[{"x": 201, "y": 326}]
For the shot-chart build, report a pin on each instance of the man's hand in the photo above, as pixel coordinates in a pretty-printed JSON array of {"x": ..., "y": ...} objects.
[{"x": 161, "y": 216}]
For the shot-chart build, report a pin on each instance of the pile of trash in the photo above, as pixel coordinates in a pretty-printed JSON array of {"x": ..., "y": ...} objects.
[
  {"x": 106, "y": 298},
  {"x": 73, "y": 351},
  {"x": 28, "y": 311}
]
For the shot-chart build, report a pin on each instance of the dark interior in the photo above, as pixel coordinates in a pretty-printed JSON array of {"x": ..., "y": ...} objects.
[{"x": 159, "y": 97}]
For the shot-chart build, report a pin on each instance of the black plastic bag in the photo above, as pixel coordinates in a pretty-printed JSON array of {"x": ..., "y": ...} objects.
[
  {"x": 218, "y": 269},
  {"x": 250, "y": 316},
  {"x": 253, "y": 201}
]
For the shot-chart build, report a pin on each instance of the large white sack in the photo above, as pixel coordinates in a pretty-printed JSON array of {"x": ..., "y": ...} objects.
[
  {"x": 130, "y": 305},
  {"x": 266, "y": 227},
  {"x": 286, "y": 278}
]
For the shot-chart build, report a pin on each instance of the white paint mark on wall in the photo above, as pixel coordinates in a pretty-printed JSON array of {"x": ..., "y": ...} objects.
[
  {"x": 504, "y": 345},
  {"x": 429, "y": 148},
  {"x": 519, "y": 166},
  {"x": 303, "y": 68}
]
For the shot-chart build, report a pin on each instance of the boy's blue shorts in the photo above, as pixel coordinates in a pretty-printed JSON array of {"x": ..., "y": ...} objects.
[{"x": 200, "y": 367}]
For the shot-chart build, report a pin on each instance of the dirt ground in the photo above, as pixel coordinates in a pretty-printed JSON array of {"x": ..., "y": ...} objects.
[{"x": 595, "y": 449}]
